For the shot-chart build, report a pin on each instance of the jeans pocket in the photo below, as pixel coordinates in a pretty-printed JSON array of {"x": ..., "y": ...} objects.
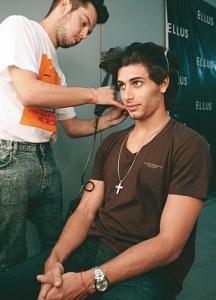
[{"x": 5, "y": 158}]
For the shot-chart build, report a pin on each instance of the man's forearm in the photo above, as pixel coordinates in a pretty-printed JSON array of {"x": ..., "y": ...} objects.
[
  {"x": 38, "y": 93},
  {"x": 139, "y": 259},
  {"x": 55, "y": 96},
  {"x": 70, "y": 238}
]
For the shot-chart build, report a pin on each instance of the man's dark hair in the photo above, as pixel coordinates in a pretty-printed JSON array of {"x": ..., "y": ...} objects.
[
  {"x": 158, "y": 61},
  {"x": 102, "y": 13}
]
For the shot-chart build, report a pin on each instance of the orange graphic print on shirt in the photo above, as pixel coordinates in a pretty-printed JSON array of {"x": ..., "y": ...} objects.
[
  {"x": 38, "y": 117},
  {"x": 47, "y": 72}
]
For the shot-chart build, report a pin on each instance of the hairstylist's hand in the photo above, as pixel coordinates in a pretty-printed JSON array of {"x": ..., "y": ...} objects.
[
  {"x": 112, "y": 118},
  {"x": 106, "y": 96},
  {"x": 52, "y": 278}
]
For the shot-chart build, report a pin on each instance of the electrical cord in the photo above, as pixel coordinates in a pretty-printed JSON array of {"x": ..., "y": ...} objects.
[
  {"x": 99, "y": 109},
  {"x": 74, "y": 203}
]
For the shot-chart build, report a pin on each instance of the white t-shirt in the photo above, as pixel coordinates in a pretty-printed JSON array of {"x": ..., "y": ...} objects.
[{"x": 26, "y": 45}]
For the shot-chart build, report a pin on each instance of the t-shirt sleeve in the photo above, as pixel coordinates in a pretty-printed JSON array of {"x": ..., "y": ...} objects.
[
  {"x": 65, "y": 113},
  {"x": 15, "y": 35},
  {"x": 192, "y": 169},
  {"x": 99, "y": 162}
]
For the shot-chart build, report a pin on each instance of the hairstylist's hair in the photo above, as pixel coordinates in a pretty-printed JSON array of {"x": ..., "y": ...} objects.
[
  {"x": 158, "y": 61},
  {"x": 102, "y": 13}
]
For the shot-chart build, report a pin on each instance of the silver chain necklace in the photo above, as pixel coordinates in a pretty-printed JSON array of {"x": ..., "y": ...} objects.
[{"x": 120, "y": 186}]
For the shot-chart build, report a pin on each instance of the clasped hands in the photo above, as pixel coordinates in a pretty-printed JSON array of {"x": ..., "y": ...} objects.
[{"x": 57, "y": 285}]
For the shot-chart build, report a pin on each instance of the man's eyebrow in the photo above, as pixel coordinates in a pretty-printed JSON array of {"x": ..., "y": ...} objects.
[
  {"x": 118, "y": 81},
  {"x": 131, "y": 79},
  {"x": 90, "y": 31},
  {"x": 136, "y": 78}
]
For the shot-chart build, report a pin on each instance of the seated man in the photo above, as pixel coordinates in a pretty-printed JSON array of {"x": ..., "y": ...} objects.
[{"x": 150, "y": 182}]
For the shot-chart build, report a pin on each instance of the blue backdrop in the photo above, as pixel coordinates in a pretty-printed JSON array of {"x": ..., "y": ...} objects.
[{"x": 191, "y": 34}]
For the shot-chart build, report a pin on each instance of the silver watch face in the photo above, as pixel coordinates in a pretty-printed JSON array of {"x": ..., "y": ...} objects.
[{"x": 101, "y": 285}]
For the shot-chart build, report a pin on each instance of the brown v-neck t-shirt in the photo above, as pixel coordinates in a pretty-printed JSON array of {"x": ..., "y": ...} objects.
[{"x": 176, "y": 161}]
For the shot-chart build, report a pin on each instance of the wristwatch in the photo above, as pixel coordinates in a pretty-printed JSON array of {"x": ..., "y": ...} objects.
[{"x": 101, "y": 282}]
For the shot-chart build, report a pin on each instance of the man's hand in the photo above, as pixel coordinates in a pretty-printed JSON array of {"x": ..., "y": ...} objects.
[
  {"x": 52, "y": 278},
  {"x": 115, "y": 116},
  {"x": 107, "y": 96},
  {"x": 71, "y": 288}
]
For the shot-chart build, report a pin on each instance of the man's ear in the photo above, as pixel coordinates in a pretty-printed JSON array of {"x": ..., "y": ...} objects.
[
  {"x": 164, "y": 85},
  {"x": 64, "y": 6}
]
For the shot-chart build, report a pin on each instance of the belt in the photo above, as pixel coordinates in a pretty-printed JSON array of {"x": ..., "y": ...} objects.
[{"x": 23, "y": 146}]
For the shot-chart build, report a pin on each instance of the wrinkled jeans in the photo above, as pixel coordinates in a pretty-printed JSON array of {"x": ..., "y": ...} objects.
[
  {"x": 30, "y": 188},
  {"x": 19, "y": 283}
]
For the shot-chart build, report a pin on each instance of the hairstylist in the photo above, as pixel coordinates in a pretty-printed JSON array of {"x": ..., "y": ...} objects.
[{"x": 33, "y": 96}]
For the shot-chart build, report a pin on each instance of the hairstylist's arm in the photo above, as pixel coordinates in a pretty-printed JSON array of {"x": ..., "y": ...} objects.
[
  {"x": 34, "y": 92},
  {"x": 75, "y": 127}
]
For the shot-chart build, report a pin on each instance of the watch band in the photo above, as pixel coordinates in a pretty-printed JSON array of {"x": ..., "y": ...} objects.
[
  {"x": 101, "y": 282},
  {"x": 98, "y": 273}
]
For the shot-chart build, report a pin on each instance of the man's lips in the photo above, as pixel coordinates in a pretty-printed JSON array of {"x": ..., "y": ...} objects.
[
  {"x": 77, "y": 41},
  {"x": 132, "y": 107}
]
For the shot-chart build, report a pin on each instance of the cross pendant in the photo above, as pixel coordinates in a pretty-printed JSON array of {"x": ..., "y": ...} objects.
[{"x": 118, "y": 187}]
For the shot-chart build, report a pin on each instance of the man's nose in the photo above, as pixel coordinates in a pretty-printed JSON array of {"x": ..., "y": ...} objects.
[
  {"x": 127, "y": 95},
  {"x": 84, "y": 33}
]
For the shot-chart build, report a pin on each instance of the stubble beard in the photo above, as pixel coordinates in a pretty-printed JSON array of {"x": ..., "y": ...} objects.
[{"x": 61, "y": 34}]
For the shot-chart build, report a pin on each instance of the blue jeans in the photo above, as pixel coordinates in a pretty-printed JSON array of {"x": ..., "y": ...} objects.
[
  {"x": 19, "y": 283},
  {"x": 30, "y": 188}
]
